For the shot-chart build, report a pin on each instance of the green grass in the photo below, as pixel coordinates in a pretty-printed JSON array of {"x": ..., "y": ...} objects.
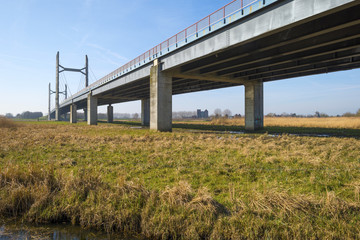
[{"x": 188, "y": 185}]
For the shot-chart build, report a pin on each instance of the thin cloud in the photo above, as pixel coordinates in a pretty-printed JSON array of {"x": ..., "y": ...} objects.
[{"x": 107, "y": 51}]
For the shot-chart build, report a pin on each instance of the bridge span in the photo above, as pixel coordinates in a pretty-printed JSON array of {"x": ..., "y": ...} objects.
[{"x": 247, "y": 42}]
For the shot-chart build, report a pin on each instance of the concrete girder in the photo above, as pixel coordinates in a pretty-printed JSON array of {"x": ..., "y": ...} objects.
[
  {"x": 308, "y": 28},
  {"x": 304, "y": 46},
  {"x": 326, "y": 57}
]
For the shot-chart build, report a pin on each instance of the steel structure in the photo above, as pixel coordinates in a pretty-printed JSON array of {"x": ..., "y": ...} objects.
[
  {"x": 54, "y": 92},
  {"x": 84, "y": 70}
]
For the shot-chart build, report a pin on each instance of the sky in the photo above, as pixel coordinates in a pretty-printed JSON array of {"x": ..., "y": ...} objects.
[{"x": 113, "y": 32}]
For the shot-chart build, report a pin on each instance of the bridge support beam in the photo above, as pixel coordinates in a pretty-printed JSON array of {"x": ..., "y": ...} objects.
[
  {"x": 110, "y": 114},
  {"x": 254, "y": 106},
  {"x": 145, "y": 112},
  {"x": 73, "y": 113},
  {"x": 92, "y": 110},
  {"x": 160, "y": 99}
]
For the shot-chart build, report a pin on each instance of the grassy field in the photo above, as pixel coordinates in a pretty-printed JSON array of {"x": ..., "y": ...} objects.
[{"x": 193, "y": 183}]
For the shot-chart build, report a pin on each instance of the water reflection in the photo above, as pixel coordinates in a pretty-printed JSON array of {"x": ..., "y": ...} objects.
[{"x": 54, "y": 232}]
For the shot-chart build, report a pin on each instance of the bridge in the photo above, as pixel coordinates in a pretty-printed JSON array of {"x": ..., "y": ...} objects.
[{"x": 246, "y": 42}]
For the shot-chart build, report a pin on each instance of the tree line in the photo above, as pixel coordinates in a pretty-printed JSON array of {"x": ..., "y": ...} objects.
[{"x": 25, "y": 115}]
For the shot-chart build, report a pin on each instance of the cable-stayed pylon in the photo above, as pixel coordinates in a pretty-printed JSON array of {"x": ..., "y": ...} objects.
[{"x": 84, "y": 70}]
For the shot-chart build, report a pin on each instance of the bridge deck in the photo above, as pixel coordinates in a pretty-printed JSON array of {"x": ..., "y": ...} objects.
[{"x": 285, "y": 39}]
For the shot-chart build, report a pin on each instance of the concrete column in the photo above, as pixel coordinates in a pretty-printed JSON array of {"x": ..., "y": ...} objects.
[
  {"x": 49, "y": 103},
  {"x": 110, "y": 114},
  {"x": 160, "y": 99},
  {"x": 254, "y": 106},
  {"x": 85, "y": 114},
  {"x": 145, "y": 112},
  {"x": 91, "y": 110},
  {"x": 57, "y": 105},
  {"x": 73, "y": 113}
]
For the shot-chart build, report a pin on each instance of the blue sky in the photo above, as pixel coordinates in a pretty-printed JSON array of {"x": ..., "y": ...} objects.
[{"x": 113, "y": 32}]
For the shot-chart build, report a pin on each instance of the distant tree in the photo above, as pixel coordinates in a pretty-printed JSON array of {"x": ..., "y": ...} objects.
[
  {"x": 9, "y": 115},
  {"x": 271, "y": 115},
  {"x": 30, "y": 115},
  {"x": 358, "y": 113},
  {"x": 324, "y": 115},
  {"x": 348, "y": 114},
  {"x": 217, "y": 112},
  {"x": 102, "y": 116},
  {"x": 284, "y": 114},
  {"x": 135, "y": 116},
  {"x": 227, "y": 113},
  {"x": 317, "y": 114}
]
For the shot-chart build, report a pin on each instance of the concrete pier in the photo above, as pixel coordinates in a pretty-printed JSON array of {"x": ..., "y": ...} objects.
[
  {"x": 254, "y": 105},
  {"x": 160, "y": 99},
  {"x": 85, "y": 114},
  {"x": 73, "y": 113},
  {"x": 91, "y": 109},
  {"x": 145, "y": 112},
  {"x": 110, "y": 114}
]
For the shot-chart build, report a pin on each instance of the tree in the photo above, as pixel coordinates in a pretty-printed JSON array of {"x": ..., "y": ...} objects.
[
  {"x": 9, "y": 115},
  {"x": 271, "y": 115},
  {"x": 348, "y": 114},
  {"x": 135, "y": 116},
  {"x": 358, "y": 113},
  {"x": 31, "y": 115},
  {"x": 227, "y": 113},
  {"x": 217, "y": 112}
]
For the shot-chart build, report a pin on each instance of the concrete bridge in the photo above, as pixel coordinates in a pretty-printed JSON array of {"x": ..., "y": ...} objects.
[{"x": 247, "y": 42}]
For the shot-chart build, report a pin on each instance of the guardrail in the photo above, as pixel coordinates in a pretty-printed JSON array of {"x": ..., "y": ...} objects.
[{"x": 231, "y": 12}]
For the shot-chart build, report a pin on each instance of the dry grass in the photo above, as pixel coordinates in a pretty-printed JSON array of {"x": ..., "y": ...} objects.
[
  {"x": 330, "y": 122},
  {"x": 181, "y": 185},
  {"x": 7, "y": 123}
]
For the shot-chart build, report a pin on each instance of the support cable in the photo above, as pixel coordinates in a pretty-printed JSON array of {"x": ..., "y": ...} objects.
[{"x": 93, "y": 75}]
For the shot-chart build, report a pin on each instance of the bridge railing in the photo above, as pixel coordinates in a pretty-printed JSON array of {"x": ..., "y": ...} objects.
[{"x": 229, "y": 13}]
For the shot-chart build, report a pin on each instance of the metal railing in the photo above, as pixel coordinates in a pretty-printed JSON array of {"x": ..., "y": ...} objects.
[{"x": 231, "y": 12}]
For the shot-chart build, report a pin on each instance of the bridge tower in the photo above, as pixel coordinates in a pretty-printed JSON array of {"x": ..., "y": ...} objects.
[
  {"x": 65, "y": 92},
  {"x": 84, "y": 70}
]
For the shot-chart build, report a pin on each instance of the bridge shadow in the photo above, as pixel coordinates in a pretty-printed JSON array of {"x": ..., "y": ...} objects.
[{"x": 300, "y": 131}]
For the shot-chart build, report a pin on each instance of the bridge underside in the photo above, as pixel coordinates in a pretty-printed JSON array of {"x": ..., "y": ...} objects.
[
  {"x": 323, "y": 43},
  {"x": 326, "y": 44}
]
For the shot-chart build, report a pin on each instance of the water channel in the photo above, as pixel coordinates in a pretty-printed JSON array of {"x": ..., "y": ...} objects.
[{"x": 19, "y": 231}]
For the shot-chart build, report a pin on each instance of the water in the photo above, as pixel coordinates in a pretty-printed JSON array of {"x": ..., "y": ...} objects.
[{"x": 18, "y": 231}]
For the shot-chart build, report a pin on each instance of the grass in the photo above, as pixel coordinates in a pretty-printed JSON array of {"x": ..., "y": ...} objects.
[
  {"x": 181, "y": 185},
  {"x": 328, "y": 122},
  {"x": 7, "y": 123}
]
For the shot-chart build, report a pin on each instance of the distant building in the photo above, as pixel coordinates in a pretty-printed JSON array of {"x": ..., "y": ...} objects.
[{"x": 202, "y": 114}]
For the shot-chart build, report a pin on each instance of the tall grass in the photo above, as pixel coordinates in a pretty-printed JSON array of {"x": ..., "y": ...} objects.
[
  {"x": 7, "y": 123},
  {"x": 329, "y": 122},
  {"x": 181, "y": 185},
  {"x": 178, "y": 212}
]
